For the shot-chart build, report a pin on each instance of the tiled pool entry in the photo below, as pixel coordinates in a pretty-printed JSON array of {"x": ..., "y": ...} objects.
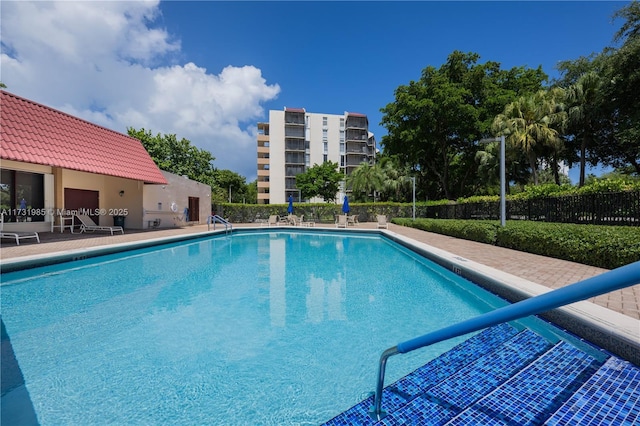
[
  {"x": 470, "y": 394},
  {"x": 507, "y": 377}
]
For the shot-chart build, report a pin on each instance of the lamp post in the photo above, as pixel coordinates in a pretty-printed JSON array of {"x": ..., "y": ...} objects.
[
  {"x": 413, "y": 178},
  {"x": 503, "y": 182}
]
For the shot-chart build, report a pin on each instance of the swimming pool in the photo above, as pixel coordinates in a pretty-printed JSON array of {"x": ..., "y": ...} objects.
[{"x": 264, "y": 327}]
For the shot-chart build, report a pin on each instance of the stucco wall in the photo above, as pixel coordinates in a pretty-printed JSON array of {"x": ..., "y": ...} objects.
[{"x": 159, "y": 199}]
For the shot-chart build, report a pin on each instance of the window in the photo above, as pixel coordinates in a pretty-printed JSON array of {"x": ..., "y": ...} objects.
[
  {"x": 325, "y": 147},
  {"x": 324, "y": 121},
  {"x": 325, "y": 158},
  {"x": 22, "y": 196},
  {"x": 342, "y": 147}
]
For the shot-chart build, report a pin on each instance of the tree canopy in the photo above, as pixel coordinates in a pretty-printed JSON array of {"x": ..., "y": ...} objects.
[
  {"x": 320, "y": 180},
  {"x": 434, "y": 123},
  {"x": 177, "y": 156},
  {"x": 182, "y": 158},
  {"x": 589, "y": 115}
]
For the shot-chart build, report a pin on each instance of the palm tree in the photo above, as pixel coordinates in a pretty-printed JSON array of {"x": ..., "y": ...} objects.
[
  {"x": 531, "y": 123},
  {"x": 365, "y": 179},
  {"x": 395, "y": 179},
  {"x": 581, "y": 97}
]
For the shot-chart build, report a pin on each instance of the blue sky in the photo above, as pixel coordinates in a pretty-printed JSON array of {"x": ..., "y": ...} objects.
[{"x": 210, "y": 70}]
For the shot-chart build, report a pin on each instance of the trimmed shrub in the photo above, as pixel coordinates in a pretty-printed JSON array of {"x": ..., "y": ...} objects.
[
  {"x": 606, "y": 247},
  {"x": 474, "y": 230},
  {"x": 602, "y": 246}
]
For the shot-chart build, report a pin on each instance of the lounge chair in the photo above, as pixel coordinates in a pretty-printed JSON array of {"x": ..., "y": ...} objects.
[
  {"x": 342, "y": 221},
  {"x": 273, "y": 220},
  {"x": 293, "y": 220},
  {"x": 352, "y": 220},
  {"x": 382, "y": 221},
  {"x": 88, "y": 225},
  {"x": 16, "y": 235}
]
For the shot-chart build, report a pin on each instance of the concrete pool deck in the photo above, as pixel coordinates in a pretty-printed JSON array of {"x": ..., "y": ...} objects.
[{"x": 527, "y": 274}]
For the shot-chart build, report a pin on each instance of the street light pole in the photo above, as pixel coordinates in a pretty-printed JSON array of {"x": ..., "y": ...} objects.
[
  {"x": 503, "y": 183},
  {"x": 413, "y": 178},
  {"x": 503, "y": 180}
]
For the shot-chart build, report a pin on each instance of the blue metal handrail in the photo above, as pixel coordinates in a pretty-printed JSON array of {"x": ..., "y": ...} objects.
[
  {"x": 217, "y": 219},
  {"x": 616, "y": 279}
]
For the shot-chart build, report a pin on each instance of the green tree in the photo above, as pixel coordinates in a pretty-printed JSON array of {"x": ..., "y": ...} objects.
[
  {"x": 364, "y": 181},
  {"x": 229, "y": 184},
  {"x": 583, "y": 116},
  {"x": 529, "y": 123},
  {"x": 434, "y": 123},
  {"x": 321, "y": 180},
  {"x": 396, "y": 180},
  {"x": 614, "y": 108},
  {"x": 621, "y": 146},
  {"x": 252, "y": 192},
  {"x": 177, "y": 156}
]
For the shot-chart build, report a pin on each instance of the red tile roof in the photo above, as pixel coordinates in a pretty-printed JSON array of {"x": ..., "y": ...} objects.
[{"x": 34, "y": 133}]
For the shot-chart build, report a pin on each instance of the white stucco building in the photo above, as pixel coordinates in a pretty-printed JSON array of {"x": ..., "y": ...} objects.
[{"x": 294, "y": 140}]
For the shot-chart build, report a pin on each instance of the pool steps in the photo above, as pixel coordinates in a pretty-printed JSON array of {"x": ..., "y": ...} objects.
[{"x": 506, "y": 376}]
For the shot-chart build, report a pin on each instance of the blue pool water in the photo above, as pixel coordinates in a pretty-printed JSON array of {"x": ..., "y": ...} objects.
[{"x": 261, "y": 328}]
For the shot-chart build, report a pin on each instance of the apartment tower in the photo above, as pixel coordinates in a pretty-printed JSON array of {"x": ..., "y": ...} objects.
[{"x": 294, "y": 140}]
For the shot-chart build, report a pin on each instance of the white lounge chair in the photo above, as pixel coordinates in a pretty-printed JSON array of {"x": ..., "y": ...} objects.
[
  {"x": 88, "y": 225},
  {"x": 382, "y": 221},
  {"x": 272, "y": 221},
  {"x": 342, "y": 221},
  {"x": 16, "y": 235}
]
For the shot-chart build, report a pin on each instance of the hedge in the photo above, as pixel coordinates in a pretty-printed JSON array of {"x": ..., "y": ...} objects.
[{"x": 606, "y": 247}]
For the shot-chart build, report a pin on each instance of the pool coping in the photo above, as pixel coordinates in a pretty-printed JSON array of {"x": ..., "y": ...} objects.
[{"x": 608, "y": 329}]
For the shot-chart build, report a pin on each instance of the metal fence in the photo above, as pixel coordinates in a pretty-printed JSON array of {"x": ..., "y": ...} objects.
[{"x": 614, "y": 208}]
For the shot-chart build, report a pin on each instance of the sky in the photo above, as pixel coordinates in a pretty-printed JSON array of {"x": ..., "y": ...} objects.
[{"x": 209, "y": 71}]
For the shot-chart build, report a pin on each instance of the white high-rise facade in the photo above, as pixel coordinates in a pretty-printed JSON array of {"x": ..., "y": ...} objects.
[{"x": 294, "y": 140}]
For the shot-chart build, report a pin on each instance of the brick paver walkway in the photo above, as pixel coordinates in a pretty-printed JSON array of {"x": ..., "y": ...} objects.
[{"x": 549, "y": 272}]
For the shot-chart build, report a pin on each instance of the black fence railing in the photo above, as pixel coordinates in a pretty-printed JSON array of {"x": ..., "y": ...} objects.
[{"x": 615, "y": 208}]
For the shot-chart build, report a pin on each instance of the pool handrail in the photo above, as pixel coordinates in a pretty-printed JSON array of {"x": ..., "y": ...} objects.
[
  {"x": 218, "y": 219},
  {"x": 616, "y": 279}
]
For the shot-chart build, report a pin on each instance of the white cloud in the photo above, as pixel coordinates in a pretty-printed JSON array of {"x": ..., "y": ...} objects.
[{"x": 108, "y": 63}]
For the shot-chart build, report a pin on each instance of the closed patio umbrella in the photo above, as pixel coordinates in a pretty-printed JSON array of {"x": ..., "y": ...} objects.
[
  {"x": 345, "y": 205},
  {"x": 290, "y": 208}
]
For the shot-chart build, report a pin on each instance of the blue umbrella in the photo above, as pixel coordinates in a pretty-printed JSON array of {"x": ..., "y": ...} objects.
[
  {"x": 23, "y": 204},
  {"x": 345, "y": 205},
  {"x": 290, "y": 208}
]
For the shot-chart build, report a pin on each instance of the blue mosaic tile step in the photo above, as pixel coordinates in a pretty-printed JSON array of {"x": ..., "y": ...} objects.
[
  {"x": 473, "y": 381},
  {"x": 611, "y": 397},
  {"x": 535, "y": 392},
  {"x": 415, "y": 383},
  {"x": 480, "y": 377}
]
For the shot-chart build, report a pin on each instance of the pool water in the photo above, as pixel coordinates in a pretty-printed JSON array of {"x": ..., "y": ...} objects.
[{"x": 260, "y": 328}]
